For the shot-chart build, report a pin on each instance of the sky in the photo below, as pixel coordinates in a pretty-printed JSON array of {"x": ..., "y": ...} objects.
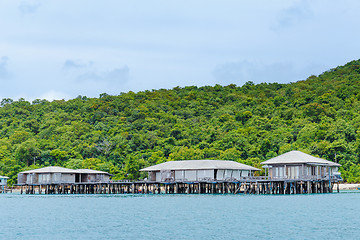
[{"x": 61, "y": 49}]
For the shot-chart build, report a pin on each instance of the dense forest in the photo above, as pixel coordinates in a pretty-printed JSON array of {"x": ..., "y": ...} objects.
[{"x": 249, "y": 124}]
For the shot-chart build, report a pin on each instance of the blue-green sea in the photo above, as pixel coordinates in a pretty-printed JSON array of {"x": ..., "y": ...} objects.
[{"x": 315, "y": 216}]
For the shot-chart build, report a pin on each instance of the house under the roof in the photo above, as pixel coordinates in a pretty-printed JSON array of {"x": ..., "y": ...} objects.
[
  {"x": 89, "y": 175},
  {"x": 3, "y": 180},
  {"x": 59, "y": 175},
  {"x": 299, "y": 165},
  {"x": 3, "y": 183},
  {"x": 198, "y": 170}
]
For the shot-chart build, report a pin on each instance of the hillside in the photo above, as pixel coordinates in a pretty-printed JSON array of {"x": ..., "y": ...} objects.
[{"x": 249, "y": 124}]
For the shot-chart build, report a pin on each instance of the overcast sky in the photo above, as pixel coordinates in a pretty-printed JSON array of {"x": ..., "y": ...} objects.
[{"x": 61, "y": 49}]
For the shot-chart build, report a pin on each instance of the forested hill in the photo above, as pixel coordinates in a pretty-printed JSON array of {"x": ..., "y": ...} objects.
[{"x": 249, "y": 124}]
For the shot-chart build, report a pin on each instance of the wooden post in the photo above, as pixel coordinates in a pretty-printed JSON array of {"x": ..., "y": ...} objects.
[
  {"x": 265, "y": 186},
  {"x": 322, "y": 187},
  {"x": 133, "y": 188},
  {"x": 308, "y": 186},
  {"x": 278, "y": 188}
]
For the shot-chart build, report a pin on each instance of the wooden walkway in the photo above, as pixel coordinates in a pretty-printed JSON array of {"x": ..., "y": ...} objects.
[{"x": 248, "y": 186}]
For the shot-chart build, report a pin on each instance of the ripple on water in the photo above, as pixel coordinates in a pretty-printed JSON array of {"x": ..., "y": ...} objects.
[{"x": 314, "y": 216}]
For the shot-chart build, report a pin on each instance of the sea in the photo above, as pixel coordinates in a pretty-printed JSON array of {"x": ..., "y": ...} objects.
[{"x": 227, "y": 216}]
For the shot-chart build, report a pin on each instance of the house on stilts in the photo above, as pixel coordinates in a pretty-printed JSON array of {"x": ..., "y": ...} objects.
[
  {"x": 60, "y": 175},
  {"x": 199, "y": 170},
  {"x": 299, "y": 172},
  {"x": 294, "y": 172},
  {"x": 61, "y": 180},
  {"x": 3, "y": 184},
  {"x": 199, "y": 176}
]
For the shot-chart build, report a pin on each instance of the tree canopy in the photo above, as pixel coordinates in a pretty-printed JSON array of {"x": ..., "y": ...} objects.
[{"x": 249, "y": 124}]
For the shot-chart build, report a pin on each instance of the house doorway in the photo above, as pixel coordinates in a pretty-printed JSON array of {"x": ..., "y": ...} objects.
[{"x": 77, "y": 177}]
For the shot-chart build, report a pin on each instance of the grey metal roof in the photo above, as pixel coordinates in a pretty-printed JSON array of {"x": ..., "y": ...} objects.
[
  {"x": 199, "y": 165},
  {"x": 51, "y": 170},
  {"x": 297, "y": 157},
  {"x": 64, "y": 170},
  {"x": 3, "y": 177}
]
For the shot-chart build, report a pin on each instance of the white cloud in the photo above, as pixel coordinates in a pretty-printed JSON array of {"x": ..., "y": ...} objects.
[{"x": 54, "y": 95}]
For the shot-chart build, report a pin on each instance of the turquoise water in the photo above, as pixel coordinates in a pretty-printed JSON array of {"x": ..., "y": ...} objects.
[{"x": 316, "y": 216}]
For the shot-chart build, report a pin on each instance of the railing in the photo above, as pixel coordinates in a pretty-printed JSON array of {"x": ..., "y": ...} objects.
[
  {"x": 251, "y": 178},
  {"x": 209, "y": 179},
  {"x": 305, "y": 178},
  {"x": 122, "y": 181}
]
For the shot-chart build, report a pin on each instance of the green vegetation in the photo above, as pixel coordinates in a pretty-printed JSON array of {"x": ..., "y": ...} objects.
[{"x": 249, "y": 124}]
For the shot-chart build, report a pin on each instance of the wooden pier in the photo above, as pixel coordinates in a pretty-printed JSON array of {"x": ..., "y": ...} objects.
[
  {"x": 247, "y": 186},
  {"x": 291, "y": 173}
]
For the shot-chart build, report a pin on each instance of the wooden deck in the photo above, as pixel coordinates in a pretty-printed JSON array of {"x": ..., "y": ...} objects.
[{"x": 253, "y": 185}]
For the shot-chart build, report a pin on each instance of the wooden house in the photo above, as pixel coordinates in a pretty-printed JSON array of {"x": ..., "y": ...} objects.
[
  {"x": 3, "y": 181},
  {"x": 60, "y": 175},
  {"x": 297, "y": 165},
  {"x": 199, "y": 170},
  {"x": 89, "y": 176},
  {"x": 47, "y": 175},
  {"x": 3, "y": 184}
]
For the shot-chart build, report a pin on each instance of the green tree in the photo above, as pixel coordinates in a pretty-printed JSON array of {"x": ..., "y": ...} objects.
[{"x": 27, "y": 152}]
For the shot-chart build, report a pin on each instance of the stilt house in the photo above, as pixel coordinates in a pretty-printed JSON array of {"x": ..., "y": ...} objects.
[
  {"x": 297, "y": 165},
  {"x": 199, "y": 170},
  {"x": 3, "y": 181},
  {"x": 89, "y": 175},
  {"x": 59, "y": 175}
]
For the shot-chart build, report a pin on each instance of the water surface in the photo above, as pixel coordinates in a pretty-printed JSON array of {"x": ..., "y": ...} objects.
[{"x": 314, "y": 216}]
